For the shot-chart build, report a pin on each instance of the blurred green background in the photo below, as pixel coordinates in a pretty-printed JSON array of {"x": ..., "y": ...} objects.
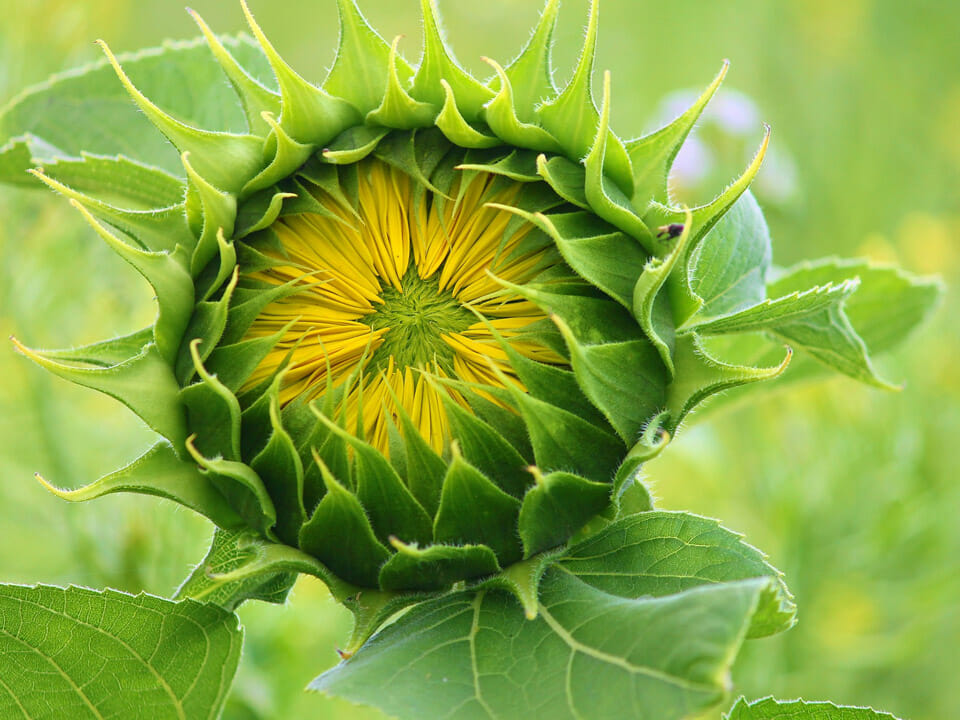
[{"x": 852, "y": 492}]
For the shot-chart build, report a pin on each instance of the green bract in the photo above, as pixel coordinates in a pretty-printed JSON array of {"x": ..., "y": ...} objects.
[{"x": 643, "y": 305}]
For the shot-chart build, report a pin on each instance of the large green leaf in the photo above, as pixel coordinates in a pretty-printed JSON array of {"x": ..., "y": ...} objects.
[
  {"x": 659, "y": 553},
  {"x": 770, "y": 709},
  {"x": 87, "y": 655},
  {"x": 587, "y": 654},
  {"x": 89, "y": 110},
  {"x": 641, "y": 620}
]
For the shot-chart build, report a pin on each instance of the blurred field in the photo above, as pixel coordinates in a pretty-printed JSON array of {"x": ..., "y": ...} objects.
[{"x": 853, "y": 493}]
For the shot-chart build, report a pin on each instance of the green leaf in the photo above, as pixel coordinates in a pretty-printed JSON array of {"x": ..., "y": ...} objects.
[
  {"x": 888, "y": 305},
  {"x": 770, "y": 709},
  {"x": 78, "y": 653},
  {"x": 587, "y": 654},
  {"x": 67, "y": 114},
  {"x": 660, "y": 553},
  {"x": 230, "y": 551}
]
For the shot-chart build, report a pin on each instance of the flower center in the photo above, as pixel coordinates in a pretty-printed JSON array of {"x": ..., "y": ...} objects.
[
  {"x": 416, "y": 319},
  {"x": 398, "y": 284}
]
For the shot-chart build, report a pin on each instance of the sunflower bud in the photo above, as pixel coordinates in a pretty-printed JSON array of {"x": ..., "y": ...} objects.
[{"x": 416, "y": 329}]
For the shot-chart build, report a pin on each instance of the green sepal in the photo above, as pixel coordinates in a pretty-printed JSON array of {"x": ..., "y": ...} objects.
[
  {"x": 353, "y": 145},
  {"x": 167, "y": 274},
  {"x": 652, "y": 155},
  {"x": 437, "y": 66},
  {"x": 564, "y": 441},
  {"x": 118, "y": 181},
  {"x": 475, "y": 511},
  {"x": 214, "y": 275},
  {"x": 207, "y": 324},
  {"x": 234, "y": 363},
  {"x": 156, "y": 227},
  {"x": 242, "y": 487},
  {"x": 519, "y": 165},
  {"x": 284, "y": 153},
  {"x": 497, "y": 415},
  {"x": 392, "y": 509},
  {"x": 572, "y": 118},
  {"x": 417, "y": 159},
  {"x": 212, "y": 210},
  {"x": 698, "y": 376},
  {"x": 594, "y": 320},
  {"x": 556, "y": 507},
  {"x": 552, "y": 384},
  {"x": 224, "y": 160},
  {"x": 249, "y": 302},
  {"x": 397, "y": 109},
  {"x": 652, "y": 306},
  {"x": 161, "y": 473},
  {"x": 309, "y": 115},
  {"x": 143, "y": 383},
  {"x": 106, "y": 352},
  {"x": 280, "y": 468},
  {"x": 424, "y": 467},
  {"x": 254, "y": 97},
  {"x": 501, "y": 115},
  {"x": 684, "y": 300},
  {"x": 565, "y": 177},
  {"x": 260, "y": 211},
  {"x": 212, "y": 412},
  {"x": 436, "y": 567},
  {"x": 371, "y": 609},
  {"x": 234, "y": 571},
  {"x": 605, "y": 257},
  {"x": 522, "y": 580},
  {"x": 888, "y": 304},
  {"x": 774, "y": 312},
  {"x": 531, "y": 73},
  {"x": 339, "y": 535},
  {"x": 627, "y": 381},
  {"x": 653, "y": 440},
  {"x": 359, "y": 73},
  {"x": 457, "y": 129},
  {"x": 487, "y": 450},
  {"x": 608, "y": 200},
  {"x": 339, "y": 183}
]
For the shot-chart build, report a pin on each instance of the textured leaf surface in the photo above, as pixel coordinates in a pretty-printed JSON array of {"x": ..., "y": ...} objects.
[
  {"x": 659, "y": 553},
  {"x": 80, "y": 654},
  {"x": 587, "y": 655},
  {"x": 641, "y": 620},
  {"x": 770, "y": 709}
]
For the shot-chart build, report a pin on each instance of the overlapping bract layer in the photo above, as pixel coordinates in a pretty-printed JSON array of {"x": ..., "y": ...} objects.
[{"x": 634, "y": 287}]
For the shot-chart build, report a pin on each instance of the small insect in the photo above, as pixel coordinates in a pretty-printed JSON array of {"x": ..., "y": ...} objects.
[{"x": 670, "y": 231}]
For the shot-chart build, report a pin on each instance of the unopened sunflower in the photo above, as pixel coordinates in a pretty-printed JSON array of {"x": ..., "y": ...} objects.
[{"x": 416, "y": 329}]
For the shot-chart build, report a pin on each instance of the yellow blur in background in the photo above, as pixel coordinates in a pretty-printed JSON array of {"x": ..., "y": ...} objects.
[{"x": 854, "y": 493}]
